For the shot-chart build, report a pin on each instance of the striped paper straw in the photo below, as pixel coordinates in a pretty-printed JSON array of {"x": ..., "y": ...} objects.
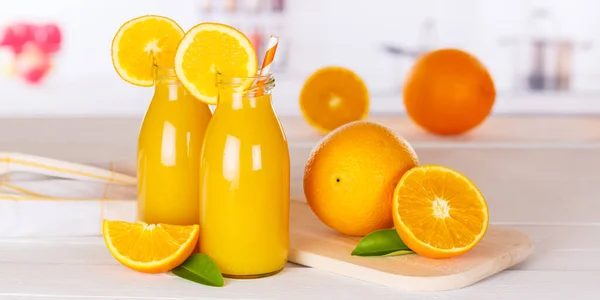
[
  {"x": 269, "y": 56},
  {"x": 267, "y": 62}
]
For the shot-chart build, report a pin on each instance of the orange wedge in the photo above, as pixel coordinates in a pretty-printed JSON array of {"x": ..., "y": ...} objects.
[
  {"x": 149, "y": 248},
  {"x": 332, "y": 97},
  {"x": 439, "y": 212},
  {"x": 142, "y": 42},
  {"x": 209, "y": 49}
]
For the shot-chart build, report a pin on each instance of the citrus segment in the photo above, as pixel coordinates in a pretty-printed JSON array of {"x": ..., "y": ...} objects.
[
  {"x": 149, "y": 248},
  {"x": 333, "y": 96},
  {"x": 142, "y": 42},
  {"x": 438, "y": 212},
  {"x": 209, "y": 49}
]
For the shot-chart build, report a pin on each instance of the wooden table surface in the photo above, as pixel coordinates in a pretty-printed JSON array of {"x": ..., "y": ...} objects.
[{"x": 540, "y": 175}]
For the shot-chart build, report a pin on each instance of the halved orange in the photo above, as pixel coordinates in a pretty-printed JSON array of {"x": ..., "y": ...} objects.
[
  {"x": 333, "y": 96},
  {"x": 439, "y": 212},
  {"x": 143, "y": 42},
  {"x": 209, "y": 49},
  {"x": 150, "y": 248}
]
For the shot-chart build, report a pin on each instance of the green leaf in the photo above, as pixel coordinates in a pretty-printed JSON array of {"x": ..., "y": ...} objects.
[
  {"x": 201, "y": 269},
  {"x": 380, "y": 243}
]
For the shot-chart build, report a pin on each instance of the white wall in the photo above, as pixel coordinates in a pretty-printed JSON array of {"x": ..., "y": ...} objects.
[{"x": 314, "y": 33}]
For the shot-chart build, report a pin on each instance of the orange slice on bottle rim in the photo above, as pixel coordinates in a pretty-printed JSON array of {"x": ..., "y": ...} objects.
[
  {"x": 141, "y": 43},
  {"x": 150, "y": 248},
  {"x": 333, "y": 96},
  {"x": 439, "y": 212},
  {"x": 209, "y": 49}
]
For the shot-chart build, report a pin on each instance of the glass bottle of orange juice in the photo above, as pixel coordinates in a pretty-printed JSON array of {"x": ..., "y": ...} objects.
[
  {"x": 245, "y": 175},
  {"x": 168, "y": 159}
]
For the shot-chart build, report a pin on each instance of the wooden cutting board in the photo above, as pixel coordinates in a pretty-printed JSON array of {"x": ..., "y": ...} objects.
[{"x": 315, "y": 245}]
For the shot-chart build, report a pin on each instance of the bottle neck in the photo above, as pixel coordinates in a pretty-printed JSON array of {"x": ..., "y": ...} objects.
[
  {"x": 166, "y": 85},
  {"x": 244, "y": 93},
  {"x": 243, "y": 101},
  {"x": 164, "y": 74}
]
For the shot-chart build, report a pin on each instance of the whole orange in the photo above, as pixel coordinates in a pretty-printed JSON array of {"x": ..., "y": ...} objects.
[
  {"x": 351, "y": 174},
  {"x": 448, "y": 91}
]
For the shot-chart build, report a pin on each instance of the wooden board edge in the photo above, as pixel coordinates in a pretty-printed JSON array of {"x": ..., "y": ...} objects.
[{"x": 410, "y": 283}]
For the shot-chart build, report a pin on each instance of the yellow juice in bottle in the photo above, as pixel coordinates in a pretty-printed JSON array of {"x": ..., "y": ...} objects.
[
  {"x": 245, "y": 174},
  {"x": 169, "y": 149}
]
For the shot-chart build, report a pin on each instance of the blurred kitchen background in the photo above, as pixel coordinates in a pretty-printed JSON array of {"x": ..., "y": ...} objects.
[{"x": 543, "y": 54}]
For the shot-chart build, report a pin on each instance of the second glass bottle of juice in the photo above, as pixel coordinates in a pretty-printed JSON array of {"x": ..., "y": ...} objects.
[
  {"x": 169, "y": 149},
  {"x": 245, "y": 175}
]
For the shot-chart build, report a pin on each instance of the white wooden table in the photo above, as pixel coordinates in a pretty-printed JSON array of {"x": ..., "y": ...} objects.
[{"x": 540, "y": 176}]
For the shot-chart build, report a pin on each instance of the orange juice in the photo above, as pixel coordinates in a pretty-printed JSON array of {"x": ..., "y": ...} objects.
[
  {"x": 245, "y": 175},
  {"x": 169, "y": 148}
]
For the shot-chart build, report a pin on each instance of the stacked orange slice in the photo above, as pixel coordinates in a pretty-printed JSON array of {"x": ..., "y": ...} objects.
[
  {"x": 198, "y": 56},
  {"x": 142, "y": 43},
  {"x": 209, "y": 49}
]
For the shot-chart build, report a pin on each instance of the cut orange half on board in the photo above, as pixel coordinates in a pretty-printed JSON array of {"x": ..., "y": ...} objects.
[
  {"x": 149, "y": 248},
  {"x": 209, "y": 49},
  {"x": 332, "y": 97},
  {"x": 439, "y": 212},
  {"x": 143, "y": 42}
]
